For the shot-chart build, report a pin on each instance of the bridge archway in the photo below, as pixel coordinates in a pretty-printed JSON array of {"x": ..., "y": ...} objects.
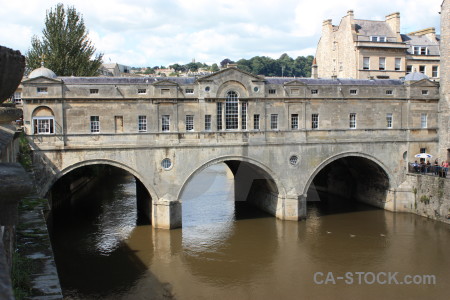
[
  {"x": 144, "y": 193},
  {"x": 353, "y": 177},
  {"x": 253, "y": 182}
]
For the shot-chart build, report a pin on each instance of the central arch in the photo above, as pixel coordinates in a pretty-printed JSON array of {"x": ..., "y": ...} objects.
[{"x": 254, "y": 181}]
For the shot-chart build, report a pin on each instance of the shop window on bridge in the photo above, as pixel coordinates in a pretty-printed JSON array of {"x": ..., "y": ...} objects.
[
  {"x": 294, "y": 121},
  {"x": 232, "y": 111},
  {"x": 315, "y": 121},
  {"x": 44, "y": 125},
  {"x": 142, "y": 123},
  {"x": 274, "y": 121},
  {"x": 219, "y": 115},
  {"x": 244, "y": 115},
  {"x": 207, "y": 122},
  {"x": 165, "y": 123},
  {"x": 43, "y": 121},
  {"x": 95, "y": 124}
]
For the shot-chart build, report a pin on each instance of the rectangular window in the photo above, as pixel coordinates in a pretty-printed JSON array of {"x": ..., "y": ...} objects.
[
  {"x": 189, "y": 123},
  {"x": 352, "y": 120},
  {"x": 435, "y": 71},
  {"x": 382, "y": 63},
  {"x": 423, "y": 120},
  {"x": 294, "y": 121},
  {"x": 423, "y": 51},
  {"x": 142, "y": 91},
  {"x": 389, "y": 120},
  {"x": 416, "y": 50},
  {"x": 256, "y": 122},
  {"x": 389, "y": 92},
  {"x": 378, "y": 39},
  {"x": 315, "y": 121},
  {"x": 274, "y": 121},
  {"x": 165, "y": 92},
  {"x": 17, "y": 97},
  {"x": 353, "y": 92},
  {"x": 219, "y": 115},
  {"x": 42, "y": 90},
  {"x": 244, "y": 115},
  {"x": 95, "y": 124},
  {"x": 408, "y": 69},
  {"x": 44, "y": 125},
  {"x": 314, "y": 92},
  {"x": 366, "y": 63},
  {"x": 189, "y": 91},
  {"x": 272, "y": 91},
  {"x": 422, "y": 69},
  {"x": 165, "y": 123},
  {"x": 142, "y": 123},
  {"x": 424, "y": 92},
  {"x": 208, "y": 122},
  {"x": 398, "y": 62},
  {"x": 93, "y": 91}
]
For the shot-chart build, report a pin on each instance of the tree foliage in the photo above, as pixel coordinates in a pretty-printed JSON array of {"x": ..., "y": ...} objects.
[
  {"x": 65, "y": 46},
  {"x": 283, "y": 66}
]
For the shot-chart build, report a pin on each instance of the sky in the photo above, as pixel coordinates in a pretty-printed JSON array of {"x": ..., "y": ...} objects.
[{"x": 142, "y": 33}]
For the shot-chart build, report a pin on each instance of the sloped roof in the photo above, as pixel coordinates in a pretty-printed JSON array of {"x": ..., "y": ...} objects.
[
  {"x": 339, "y": 81},
  {"x": 126, "y": 80},
  {"x": 421, "y": 40},
  {"x": 373, "y": 28}
]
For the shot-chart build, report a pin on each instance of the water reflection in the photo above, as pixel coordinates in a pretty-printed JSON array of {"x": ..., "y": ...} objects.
[{"x": 234, "y": 251}]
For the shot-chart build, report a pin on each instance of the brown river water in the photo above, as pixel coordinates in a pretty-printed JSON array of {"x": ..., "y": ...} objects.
[{"x": 232, "y": 251}]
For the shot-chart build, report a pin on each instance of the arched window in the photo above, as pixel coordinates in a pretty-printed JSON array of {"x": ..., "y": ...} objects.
[
  {"x": 232, "y": 111},
  {"x": 43, "y": 121}
]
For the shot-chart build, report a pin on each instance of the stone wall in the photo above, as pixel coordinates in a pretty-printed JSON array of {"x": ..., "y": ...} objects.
[{"x": 429, "y": 197}]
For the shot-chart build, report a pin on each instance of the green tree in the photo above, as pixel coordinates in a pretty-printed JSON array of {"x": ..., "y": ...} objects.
[
  {"x": 65, "y": 46},
  {"x": 214, "y": 68}
]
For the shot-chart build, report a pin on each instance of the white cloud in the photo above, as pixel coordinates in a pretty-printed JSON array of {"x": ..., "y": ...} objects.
[{"x": 162, "y": 32}]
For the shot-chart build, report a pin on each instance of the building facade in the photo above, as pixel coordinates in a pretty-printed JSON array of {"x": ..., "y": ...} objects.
[
  {"x": 444, "y": 103},
  {"x": 228, "y": 101},
  {"x": 364, "y": 49}
]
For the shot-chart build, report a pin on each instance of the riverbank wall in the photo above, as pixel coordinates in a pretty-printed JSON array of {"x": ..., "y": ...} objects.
[{"x": 427, "y": 196}]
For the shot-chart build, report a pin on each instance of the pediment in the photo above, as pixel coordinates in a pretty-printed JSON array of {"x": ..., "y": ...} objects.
[
  {"x": 231, "y": 73},
  {"x": 425, "y": 83},
  {"x": 295, "y": 83},
  {"x": 42, "y": 80},
  {"x": 165, "y": 83}
]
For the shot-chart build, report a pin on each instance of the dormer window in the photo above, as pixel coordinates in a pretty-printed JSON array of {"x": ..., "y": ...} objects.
[
  {"x": 378, "y": 39},
  {"x": 418, "y": 50}
]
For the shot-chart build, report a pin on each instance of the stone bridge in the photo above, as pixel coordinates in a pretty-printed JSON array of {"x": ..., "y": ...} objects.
[
  {"x": 275, "y": 175},
  {"x": 284, "y": 139}
]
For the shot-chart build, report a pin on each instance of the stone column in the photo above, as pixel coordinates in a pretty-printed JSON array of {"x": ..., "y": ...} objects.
[
  {"x": 166, "y": 213},
  {"x": 291, "y": 207}
]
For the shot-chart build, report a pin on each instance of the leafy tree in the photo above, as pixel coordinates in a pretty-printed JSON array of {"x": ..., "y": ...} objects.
[
  {"x": 65, "y": 46},
  {"x": 214, "y": 68},
  {"x": 225, "y": 62},
  {"x": 193, "y": 67},
  {"x": 149, "y": 71}
]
